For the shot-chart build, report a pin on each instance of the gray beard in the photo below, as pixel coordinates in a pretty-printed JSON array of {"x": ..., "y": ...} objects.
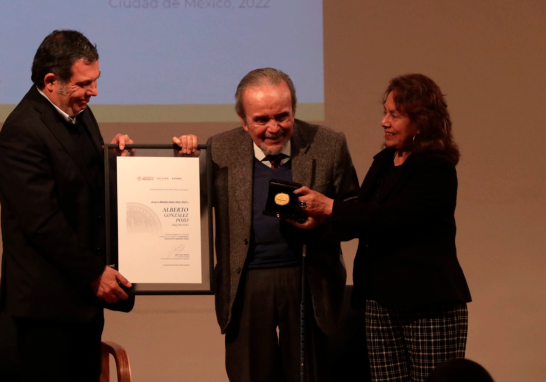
[{"x": 272, "y": 151}]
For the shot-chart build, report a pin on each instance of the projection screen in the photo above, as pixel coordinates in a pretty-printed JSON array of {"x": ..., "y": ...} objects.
[{"x": 171, "y": 60}]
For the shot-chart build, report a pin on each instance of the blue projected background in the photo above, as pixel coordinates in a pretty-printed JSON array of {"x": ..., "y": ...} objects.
[{"x": 170, "y": 52}]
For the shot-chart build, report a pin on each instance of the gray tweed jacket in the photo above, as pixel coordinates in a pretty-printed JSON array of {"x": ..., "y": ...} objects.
[{"x": 321, "y": 161}]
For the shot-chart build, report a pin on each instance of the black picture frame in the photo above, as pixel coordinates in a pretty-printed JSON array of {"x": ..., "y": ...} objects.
[{"x": 111, "y": 152}]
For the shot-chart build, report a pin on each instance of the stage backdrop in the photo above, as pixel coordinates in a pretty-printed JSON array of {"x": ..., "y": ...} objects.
[{"x": 489, "y": 58}]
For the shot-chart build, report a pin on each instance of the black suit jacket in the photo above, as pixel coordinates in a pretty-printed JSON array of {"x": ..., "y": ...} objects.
[
  {"x": 52, "y": 216},
  {"x": 406, "y": 254}
]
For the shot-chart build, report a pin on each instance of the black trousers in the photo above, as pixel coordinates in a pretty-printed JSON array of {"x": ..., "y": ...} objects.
[
  {"x": 263, "y": 338},
  {"x": 59, "y": 351}
]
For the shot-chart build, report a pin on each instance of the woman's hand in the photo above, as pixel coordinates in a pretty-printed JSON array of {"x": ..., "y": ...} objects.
[{"x": 314, "y": 204}]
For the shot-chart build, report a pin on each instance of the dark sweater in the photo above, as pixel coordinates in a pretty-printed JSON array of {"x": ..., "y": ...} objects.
[{"x": 272, "y": 245}]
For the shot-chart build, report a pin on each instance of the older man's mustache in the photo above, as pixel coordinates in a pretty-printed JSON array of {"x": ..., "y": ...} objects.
[{"x": 276, "y": 135}]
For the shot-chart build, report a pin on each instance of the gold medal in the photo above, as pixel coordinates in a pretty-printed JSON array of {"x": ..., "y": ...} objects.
[{"x": 282, "y": 199}]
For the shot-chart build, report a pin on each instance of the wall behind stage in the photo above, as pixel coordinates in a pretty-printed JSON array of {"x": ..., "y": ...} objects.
[{"x": 489, "y": 58}]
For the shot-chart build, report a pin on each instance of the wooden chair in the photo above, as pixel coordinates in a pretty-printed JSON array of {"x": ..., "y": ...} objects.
[{"x": 122, "y": 362}]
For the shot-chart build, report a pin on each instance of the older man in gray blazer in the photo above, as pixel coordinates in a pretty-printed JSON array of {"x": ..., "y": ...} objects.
[{"x": 258, "y": 270}]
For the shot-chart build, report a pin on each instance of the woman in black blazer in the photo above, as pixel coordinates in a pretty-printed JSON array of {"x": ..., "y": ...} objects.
[{"x": 406, "y": 273}]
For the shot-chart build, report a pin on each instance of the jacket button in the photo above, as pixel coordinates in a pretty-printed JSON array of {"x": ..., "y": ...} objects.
[
  {"x": 238, "y": 270},
  {"x": 246, "y": 241}
]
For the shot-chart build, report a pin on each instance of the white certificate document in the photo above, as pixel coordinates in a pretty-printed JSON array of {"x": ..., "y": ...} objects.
[{"x": 159, "y": 219}]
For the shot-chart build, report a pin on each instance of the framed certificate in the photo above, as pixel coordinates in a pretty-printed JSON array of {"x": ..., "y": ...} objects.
[{"x": 159, "y": 218}]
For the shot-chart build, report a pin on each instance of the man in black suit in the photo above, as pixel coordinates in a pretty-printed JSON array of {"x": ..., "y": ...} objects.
[{"x": 55, "y": 282}]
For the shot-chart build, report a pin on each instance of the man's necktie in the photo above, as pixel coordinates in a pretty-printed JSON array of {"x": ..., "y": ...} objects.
[{"x": 275, "y": 160}]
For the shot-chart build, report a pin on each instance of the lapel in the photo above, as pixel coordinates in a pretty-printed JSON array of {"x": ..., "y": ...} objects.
[
  {"x": 93, "y": 128},
  {"x": 54, "y": 122},
  {"x": 303, "y": 165},
  {"x": 381, "y": 160},
  {"x": 240, "y": 176}
]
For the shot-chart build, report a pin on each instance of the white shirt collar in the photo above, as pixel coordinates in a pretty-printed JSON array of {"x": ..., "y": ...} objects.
[
  {"x": 259, "y": 154},
  {"x": 67, "y": 118}
]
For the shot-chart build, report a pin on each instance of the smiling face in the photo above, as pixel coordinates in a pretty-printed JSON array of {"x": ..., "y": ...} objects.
[
  {"x": 399, "y": 130},
  {"x": 269, "y": 116},
  {"x": 73, "y": 96}
]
